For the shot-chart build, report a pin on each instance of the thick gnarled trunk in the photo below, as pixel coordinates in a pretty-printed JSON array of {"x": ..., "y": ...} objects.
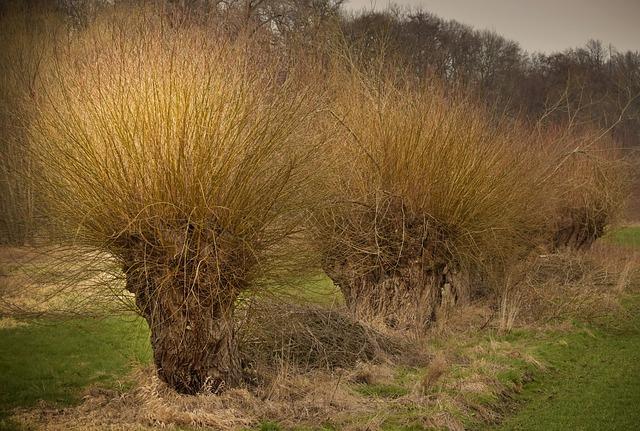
[
  {"x": 192, "y": 332},
  {"x": 578, "y": 229},
  {"x": 407, "y": 297}
]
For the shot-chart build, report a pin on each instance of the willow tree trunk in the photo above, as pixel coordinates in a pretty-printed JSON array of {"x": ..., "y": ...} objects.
[
  {"x": 578, "y": 229},
  {"x": 407, "y": 297},
  {"x": 192, "y": 332}
]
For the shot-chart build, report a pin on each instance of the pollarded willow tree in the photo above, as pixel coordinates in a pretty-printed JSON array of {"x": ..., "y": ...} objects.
[
  {"x": 433, "y": 201},
  {"x": 185, "y": 158}
]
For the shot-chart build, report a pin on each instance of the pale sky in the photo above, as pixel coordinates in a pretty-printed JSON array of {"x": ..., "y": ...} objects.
[{"x": 539, "y": 25}]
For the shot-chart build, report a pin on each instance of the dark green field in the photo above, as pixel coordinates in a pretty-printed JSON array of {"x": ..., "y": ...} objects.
[
  {"x": 593, "y": 383},
  {"x": 54, "y": 360}
]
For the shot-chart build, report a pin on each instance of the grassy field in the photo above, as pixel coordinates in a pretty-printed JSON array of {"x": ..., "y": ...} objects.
[
  {"x": 593, "y": 382},
  {"x": 54, "y": 361},
  {"x": 628, "y": 236},
  {"x": 588, "y": 378}
]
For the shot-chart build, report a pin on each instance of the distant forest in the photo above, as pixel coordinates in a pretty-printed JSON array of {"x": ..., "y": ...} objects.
[{"x": 595, "y": 84}]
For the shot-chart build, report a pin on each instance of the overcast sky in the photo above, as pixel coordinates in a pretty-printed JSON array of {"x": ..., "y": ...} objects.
[{"x": 539, "y": 25}]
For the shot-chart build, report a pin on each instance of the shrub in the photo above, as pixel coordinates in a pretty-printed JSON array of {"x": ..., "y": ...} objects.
[
  {"x": 433, "y": 199},
  {"x": 184, "y": 157}
]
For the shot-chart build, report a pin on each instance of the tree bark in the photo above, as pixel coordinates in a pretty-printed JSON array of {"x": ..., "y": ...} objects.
[
  {"x": 578, "y": 230},
  {"x": 192, "y": 332},
  {"x": 406, "y": 297}
]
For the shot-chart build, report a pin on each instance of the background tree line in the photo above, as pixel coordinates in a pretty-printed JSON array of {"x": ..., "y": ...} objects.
[{"x": 594, "y": 83}]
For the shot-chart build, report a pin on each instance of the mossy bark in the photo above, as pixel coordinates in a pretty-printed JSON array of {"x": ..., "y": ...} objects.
[{"x": 192, "y": 332}]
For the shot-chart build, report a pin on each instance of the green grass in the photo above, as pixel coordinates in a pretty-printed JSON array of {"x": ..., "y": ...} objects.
[
  {"x": 317, "y": 289},
  {"x": 54, "y": 360},
  {"x": 593, "y": 383},
  {"x": 627, "y": 236}
]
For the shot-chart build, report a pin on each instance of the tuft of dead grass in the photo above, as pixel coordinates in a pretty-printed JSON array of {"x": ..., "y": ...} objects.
[
  {"x": 436, "y": 369},
  {"x": 570, "y": 284},
  {"x": 10, "y": 323}
]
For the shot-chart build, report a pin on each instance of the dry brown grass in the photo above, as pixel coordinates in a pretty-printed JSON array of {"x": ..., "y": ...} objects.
[
  {"x": 10, "y": 322},
  {"x": 295, "y": 399},
  {"x": 570, "y": 284},
  {"x": 436, "y": 369},
  {"x": 291, "y": 397}
]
